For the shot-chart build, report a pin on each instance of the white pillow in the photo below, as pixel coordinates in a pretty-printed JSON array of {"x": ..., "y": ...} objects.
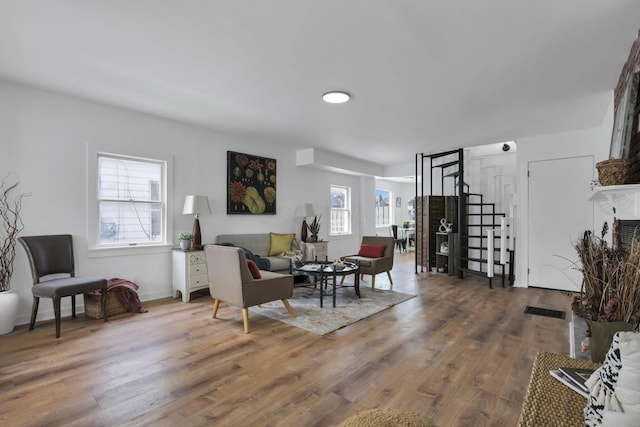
[{"x": 614, "y": 399}]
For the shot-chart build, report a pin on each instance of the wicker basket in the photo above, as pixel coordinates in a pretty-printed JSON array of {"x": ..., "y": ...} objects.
[
  {"x": 93, "y": 306},
  {"x": 614, "y": 171}
]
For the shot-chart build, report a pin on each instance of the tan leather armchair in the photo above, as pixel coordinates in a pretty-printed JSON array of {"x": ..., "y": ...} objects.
[
  {"x": 231, "y": 281},
  {"x": 375, "y": 266}
]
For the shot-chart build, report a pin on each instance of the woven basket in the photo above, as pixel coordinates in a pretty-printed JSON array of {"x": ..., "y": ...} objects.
[
  {"x": 548, "y": 402},
  {"x": 93, "y": 305},
  {"x": 614, "y": 171}
]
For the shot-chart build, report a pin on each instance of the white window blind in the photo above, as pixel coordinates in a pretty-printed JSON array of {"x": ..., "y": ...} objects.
[
  {"x": 131, "y": 200},
  {"x": 340, "y": 210}
]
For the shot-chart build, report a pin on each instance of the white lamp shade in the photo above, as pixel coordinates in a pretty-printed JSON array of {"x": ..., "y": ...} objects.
[
  {"x": 196, "y": 205},
  {"x": 304, "y": 210}
]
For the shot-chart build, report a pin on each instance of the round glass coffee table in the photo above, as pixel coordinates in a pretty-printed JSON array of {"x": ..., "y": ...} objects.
[{"x": 325, "y": 274}]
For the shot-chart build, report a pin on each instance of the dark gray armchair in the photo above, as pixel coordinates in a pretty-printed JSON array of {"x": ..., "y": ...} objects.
[{"x": 50, "y": 255}]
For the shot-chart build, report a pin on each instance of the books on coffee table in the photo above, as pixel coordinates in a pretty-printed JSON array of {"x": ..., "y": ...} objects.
[{"x": 573, "y": 378}]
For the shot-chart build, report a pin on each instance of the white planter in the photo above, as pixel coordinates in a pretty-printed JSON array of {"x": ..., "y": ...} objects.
[
  {"x": 8, "y": 311},
  {"x": 185, "y": 244}
]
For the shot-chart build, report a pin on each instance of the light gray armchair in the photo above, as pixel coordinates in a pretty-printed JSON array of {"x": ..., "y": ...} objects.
[
  {"x": 371, "y": 265},
  {"x": 230, "y": 280}
]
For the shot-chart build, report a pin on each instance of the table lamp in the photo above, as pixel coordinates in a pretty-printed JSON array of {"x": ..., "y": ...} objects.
[
  {"x": 196, "y": 205},
  {"x": 303, "y": 210}
]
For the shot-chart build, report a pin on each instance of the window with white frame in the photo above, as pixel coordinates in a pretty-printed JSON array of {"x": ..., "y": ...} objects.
[
  {"x": 340, "y": 210},
  {"x": 131, "y": 201},
  {"x": 411, "y": 210},
  {"x": 383, "y": 208}
]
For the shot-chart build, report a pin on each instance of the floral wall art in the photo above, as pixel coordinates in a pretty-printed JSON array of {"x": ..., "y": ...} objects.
[{"x": 251, "y": 184}]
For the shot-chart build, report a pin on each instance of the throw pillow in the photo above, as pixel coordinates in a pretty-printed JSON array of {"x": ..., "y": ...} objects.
[
  {"x": 371, "y": 251},
  {"x": 280, "y": 243},
  {"x": 253, "y": 268},
  {"x": 614, "y": 398}
]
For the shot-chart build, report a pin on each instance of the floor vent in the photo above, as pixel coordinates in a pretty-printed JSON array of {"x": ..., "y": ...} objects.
[{"x": 544, "y": 312}]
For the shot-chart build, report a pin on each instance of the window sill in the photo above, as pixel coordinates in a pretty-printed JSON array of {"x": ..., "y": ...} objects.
[
  {"x": 340, "y": 236},
  {"x": 129, "y": 250}
]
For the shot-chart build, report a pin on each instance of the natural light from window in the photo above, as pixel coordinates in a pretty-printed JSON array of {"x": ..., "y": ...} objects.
[
  {"x": 340, "y": 210},
  {"x": 383, "y": 208},
  {"x": 131, "y": 201}
]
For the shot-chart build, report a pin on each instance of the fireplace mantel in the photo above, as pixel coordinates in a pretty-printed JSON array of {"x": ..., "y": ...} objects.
[{"x": 624, "y": 198}]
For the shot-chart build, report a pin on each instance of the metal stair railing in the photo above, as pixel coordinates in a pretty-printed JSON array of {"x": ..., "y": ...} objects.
[{"x": 464, "y": 225}]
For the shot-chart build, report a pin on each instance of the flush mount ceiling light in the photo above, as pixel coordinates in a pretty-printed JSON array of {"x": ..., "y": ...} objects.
[{"x": 336, "y": 97}]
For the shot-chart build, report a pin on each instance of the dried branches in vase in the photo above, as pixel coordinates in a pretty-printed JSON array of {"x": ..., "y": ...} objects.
[
  {"x": 611, "y": 280},
  {"x": 11, "y": 226}
]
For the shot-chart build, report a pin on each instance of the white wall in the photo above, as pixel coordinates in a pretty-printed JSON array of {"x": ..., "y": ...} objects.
[
  {"x": 44, "y": 139},
  {"x": 493, "y": 175},
  {"x": 583, "y": 142}
]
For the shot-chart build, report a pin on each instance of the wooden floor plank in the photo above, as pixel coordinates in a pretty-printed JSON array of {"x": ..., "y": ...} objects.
[{"x": 459, "y": 353}]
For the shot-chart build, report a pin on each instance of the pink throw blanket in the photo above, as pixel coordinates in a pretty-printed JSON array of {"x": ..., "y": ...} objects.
[{"x": 127, "y": 294}]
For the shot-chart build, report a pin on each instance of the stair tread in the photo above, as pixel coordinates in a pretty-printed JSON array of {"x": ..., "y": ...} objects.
[
  {"x": 448, "y": 164},
  {"x": 446, "y": 153},
  {"x": 495, "y": 262},
  {"x": 480, "y": 248},
  {"x": 485, "y": 214},
  {"x": 483, "y": 225},
  {"x": 482, "y": 273}
]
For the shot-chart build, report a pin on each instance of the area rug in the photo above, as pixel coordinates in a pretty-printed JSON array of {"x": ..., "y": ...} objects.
[{"x": 321, "y": 321}]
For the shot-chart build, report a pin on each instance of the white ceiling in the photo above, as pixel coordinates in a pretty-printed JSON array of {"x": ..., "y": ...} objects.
[{"x": 426, "y": 75}]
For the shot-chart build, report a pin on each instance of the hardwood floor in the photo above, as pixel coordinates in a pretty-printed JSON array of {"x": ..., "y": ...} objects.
[{"x": 459, "y": 354}]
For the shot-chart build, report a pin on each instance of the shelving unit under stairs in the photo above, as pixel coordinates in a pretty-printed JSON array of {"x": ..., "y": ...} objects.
[{"x": 446, "y": 253}]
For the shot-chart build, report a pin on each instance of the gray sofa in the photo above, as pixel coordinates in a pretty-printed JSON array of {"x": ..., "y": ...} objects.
[{"x": 259, "y": 244}]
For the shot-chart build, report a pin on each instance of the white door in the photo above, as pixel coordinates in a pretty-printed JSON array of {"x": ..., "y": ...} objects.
[{"x": 558, "y": 215}]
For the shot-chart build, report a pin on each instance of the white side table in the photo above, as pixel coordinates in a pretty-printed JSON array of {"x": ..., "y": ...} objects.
[{"x": 189, "y": 272}]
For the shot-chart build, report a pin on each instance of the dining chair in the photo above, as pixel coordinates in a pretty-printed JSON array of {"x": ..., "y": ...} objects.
[{"x": 51, "y": 257}]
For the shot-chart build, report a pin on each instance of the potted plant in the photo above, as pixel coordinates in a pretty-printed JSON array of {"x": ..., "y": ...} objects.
[
  {"x": 11, "y": 226},
  {"x": 185, "y": 240},
  {"x": 609, "y": 299},
  {"x": 314, "y": 228}
]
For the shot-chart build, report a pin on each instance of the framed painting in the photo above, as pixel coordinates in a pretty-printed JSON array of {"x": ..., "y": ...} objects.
[
  {"x": 623, "y": 120},
  {"x": 251, "y": 184}
]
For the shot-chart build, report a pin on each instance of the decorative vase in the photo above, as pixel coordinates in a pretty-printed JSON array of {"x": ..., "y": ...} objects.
[
  {"x": 303, "y": 230},
  {"x": 185, "y": 245},
  {"x": 602, "y": 335},
  {"x": 8, "y": 311}
]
